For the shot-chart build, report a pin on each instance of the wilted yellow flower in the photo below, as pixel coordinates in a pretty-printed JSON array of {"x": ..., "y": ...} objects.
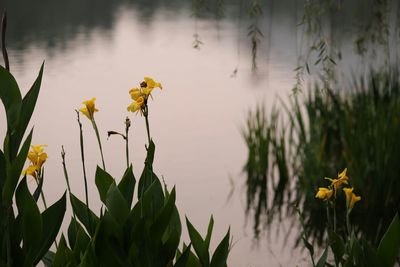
[
  {"x": 351, "y": 198},
  {"x": 324, "y": 193},
  {"x": 89, "y": 108}
]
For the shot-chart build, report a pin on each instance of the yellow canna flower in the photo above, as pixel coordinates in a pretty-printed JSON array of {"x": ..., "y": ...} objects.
[
  {"x": 140, "y": 95},
  {"x": 324, "y": 193},
  {"x": 89, "y": 108},
  {"x": 31, "y": 170},
  {"x": 135, "y": 93},
  {"x": 37, "y": 158},
  {"x": 351, "y": 198},
  {"x": 36, "y": 155},
  {"x": 342, "y": 179},
  {"x": 151, "y": 83},
  {"x": 136, "y": 105}
]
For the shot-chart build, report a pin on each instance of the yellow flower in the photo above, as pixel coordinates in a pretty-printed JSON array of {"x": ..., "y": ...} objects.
[
  {"x": 136, "y": 105},
  {"x": 351, "y": 198},
  {"x": 89, "y": 108},
  {"x": 36, "y": 155},
  {"x": 140, "y": 95},
  {"x": 342, "y": 179},
  {"x": 37, "y": 158},
  {"x": 135, "y": 93},
  {"x": 151, "y": 83},
  {"x": 31, "y": 170},
  {"x": 324, "y": 193}
]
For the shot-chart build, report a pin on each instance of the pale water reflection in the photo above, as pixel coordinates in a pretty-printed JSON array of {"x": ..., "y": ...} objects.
[{"x": 195, "y": 120}]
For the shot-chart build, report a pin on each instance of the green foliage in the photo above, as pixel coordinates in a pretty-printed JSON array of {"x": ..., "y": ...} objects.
[
  {"x": 25, "y": 237},
  {"x": 147, "y": 234},
  {"x": 317, "y": 134}
]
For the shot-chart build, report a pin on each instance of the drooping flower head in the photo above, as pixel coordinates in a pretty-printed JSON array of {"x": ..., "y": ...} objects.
[
  {"x": 89, "y": 108},
  {"x": 351, "y": 198},
  {"x": 324, "y": 193},
  {"x": 140, "y": 95}
]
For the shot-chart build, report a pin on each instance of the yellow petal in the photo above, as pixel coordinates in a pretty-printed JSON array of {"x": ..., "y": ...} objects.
[
  {"x": 135, "y": 93},
  {"x": 89, "y": 108}
]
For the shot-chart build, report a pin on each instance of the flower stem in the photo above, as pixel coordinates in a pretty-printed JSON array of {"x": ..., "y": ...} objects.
[
  {"x": 99, "y": 141},
  {"x": 127, "y": 125},
  {"x": 146, "y": 116},
  {"x": 84, "y": 168}
]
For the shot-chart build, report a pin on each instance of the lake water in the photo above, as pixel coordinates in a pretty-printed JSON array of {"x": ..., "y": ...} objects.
[{"x": 103, "y": 50}]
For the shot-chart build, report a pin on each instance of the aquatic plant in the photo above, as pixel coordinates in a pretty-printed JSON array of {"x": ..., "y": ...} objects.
[
  {"x": 289, "y": 149},
  {"x": 351, "y": 249}
]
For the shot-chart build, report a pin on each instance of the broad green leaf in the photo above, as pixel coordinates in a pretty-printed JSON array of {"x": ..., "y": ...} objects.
[
  {"x": 38, "y": 190},
  {"x": 117, "y": 205},
  {"x": 84, "y": 214},
  {"x": 103, "y": 182},
  {"x": 127, "y": 185},
  {"x": 15, "y": 172},
  {"x": 63, "y": 254},
  {"x": 198, "y": 244},
  {"x": 147, "y": 177},
  {"x": 11, "y": 97},
  {"x": 337, "y": 246},
  {"x": 221, "y": 252},
  {"x": 193, "y": 261},
  {"x": 169, "y": 247},
  {"x": 209, "y": 232},
  {"x": 152, "y": 201},
  {"x": 322, "y": 260},
  {"x": 31, "y": 220},
  {"x": 370, "y": 255},
  {"x": 73, "y": 232},
  {"x": 28, "y": 105},
  {"x": 52, "y": 219},
  {"x": 81, "y": 243},
  {"x": 163, "y": 218},
  {"x": 183, "y": 258},
  {"x": 48, "y": 258},
  {"x": 2, "y": 171},
  {"x": 388, "y": 249}
]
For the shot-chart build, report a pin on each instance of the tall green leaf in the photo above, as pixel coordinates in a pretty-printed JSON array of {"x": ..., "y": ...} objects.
[
  {"x": 221, "y": 252},
  {"x": 84, "y": 214},
  {"x": 52, "y": 219},
  {"x": 28, "y": 105},
  {"x": 127, "y": 185},
  {"x": 116, "y": 204},
  {"x": 198, "y": 244},
  {"x": 31, "y": 221},
  {"x": 103, "y": 182},
  {"x": 10, "y": 95},
  {"x": 389, "y": 247},
  {"x": 15, "y": 172}
]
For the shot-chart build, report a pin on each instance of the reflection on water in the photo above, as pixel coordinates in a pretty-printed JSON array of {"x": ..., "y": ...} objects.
[{"x": 103, "y": 48}]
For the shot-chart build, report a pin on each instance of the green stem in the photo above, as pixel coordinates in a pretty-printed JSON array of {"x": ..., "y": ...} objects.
[
  {"x": 9, "y": 258},
  {"x": 99, "y": 141},
  {"x": 146, "y": 116},
  {"x": 84, "y": 169},
  {"x": 348, "y": 224},
  {"x": 334, "y": 217},
  {"x": 127, "y": 125},
  {"x": 66, "y": 176}
]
